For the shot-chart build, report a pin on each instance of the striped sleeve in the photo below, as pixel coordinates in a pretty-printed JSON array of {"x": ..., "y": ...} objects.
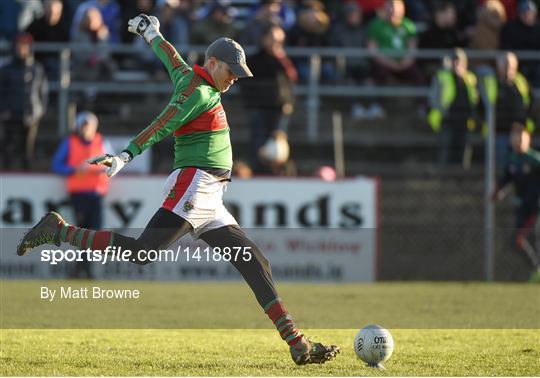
[
  {"x": 169, "y": 56},
  {"x": 171, "y": 118}
]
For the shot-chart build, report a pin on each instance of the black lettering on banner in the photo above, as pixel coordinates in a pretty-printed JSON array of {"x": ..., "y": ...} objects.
[
  {"x": 126, "y": 211},
  {"x": 281, "y": 213},
  {"x": 320, "y": 206},
  {"x": 309, "y": 214},
  {"x": 351, "y": 215},
  {"x": 17, "y": 210}
]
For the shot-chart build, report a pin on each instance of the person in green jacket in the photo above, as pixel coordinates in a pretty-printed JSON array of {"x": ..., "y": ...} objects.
[{"x": 193, "y": 191}]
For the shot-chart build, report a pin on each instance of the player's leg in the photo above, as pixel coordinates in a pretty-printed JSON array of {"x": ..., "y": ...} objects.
[
  {"x": 163, "y": 229},
  {"x": 526, "y": 219},
  {"x": 168, "y": 224},
  {"x": 85, "y": 206},
  {"x": 257, "y": 273}
]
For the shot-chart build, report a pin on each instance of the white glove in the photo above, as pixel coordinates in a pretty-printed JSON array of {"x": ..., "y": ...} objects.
[
  {"x": 145, "y": 26},
  {"x": 115, "y": 163}
]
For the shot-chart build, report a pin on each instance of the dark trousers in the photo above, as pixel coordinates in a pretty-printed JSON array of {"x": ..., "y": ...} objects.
[
  {"x": 385, "y": 75},
  {"x": 455, "y": 147},
  {"x": 525, "y": 237},
  {"x": 18, "y": 150},
  {"x": 165, "y": 228},
  {"x": 88, "y": 210}
]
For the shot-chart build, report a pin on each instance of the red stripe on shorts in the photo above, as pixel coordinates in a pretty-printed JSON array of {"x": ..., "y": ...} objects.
[{"x": 183, "y": 181}]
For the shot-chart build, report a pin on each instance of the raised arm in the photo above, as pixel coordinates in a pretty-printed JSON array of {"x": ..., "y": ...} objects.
[
  {"x": 148, "y": 28},
  {"x": 170, "y": 119}
]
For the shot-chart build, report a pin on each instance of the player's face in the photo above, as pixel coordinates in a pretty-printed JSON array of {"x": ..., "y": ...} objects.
[{"x": 222, "y": 75}]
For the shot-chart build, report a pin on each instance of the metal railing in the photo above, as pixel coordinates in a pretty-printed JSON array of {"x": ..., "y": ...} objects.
[{"x": 313, "y": 90}]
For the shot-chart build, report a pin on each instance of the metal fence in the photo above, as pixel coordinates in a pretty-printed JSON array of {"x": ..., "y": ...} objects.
[{"x": 313, "y": 90}]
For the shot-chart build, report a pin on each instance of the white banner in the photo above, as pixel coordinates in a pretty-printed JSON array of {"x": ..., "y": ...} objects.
[{"x": 308, "y": 229}]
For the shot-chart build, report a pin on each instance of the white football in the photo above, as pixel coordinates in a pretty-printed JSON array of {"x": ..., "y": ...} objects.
[{"x": 373, "y": 344}]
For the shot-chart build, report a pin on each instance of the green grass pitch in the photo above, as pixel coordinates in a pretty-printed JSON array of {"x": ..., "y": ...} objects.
[{"x": 217, "y": 329}]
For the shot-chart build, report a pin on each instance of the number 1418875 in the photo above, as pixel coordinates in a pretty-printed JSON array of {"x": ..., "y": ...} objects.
[{"x": 217, "y": 254}]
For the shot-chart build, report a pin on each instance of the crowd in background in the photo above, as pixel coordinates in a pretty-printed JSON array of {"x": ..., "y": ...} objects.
[
  {"x": 440, "y": 24},
  {"x": 392, "y": 29}
]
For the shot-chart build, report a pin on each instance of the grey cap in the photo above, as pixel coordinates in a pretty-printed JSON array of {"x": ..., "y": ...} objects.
[{"x": 230, "y": 52}]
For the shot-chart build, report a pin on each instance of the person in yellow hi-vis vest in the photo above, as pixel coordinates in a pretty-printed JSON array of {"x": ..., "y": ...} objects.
[
  {"x": 510, "y": 94},
  {"x": 453, "y": 101}
]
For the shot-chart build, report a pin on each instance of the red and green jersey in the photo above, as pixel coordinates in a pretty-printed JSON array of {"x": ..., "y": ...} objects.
[{"x": 194, "y": 116}]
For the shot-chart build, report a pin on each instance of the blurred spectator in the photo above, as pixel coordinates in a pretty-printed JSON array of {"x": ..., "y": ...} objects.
[
  {"x": 275, "y": 154},
  {"x": 491, "y": 17},
  {"x": 511, "y": 96},
  {"x": 283, "y": 12},
  {"x": 174, "y": 24},
  {"x": 51, "y": 27},
  {"x": 268, "y": 12},
  {"x": 24, "y": 93},
  {"x": 523, "y": 171},
  {"x": 241, "y": 170},
  {"x": 524, "y": 34},
  {"x": 348, "y": 31},
  {"x": 218, "y": 24},
  {"x": 326, "y": 173},
  {"x": 443, "y": 32},
  {"x": 465, "y": 10},
  {"x": 94, "y": 62},
  {"x": 370, "y": 8},
  {"x": 268, "y": 96},
  {"x": 510, "y": 8},
  {"x": 418, "y": 11},
  {"x": 110, "y": 14},
  {"x": 396, "y": 33},
  {"x": 85, "y": 183},
  {"x": 312, "y": 30},
  {"x": 453, "y": 103},
  {"x": 16, "y": 15}
]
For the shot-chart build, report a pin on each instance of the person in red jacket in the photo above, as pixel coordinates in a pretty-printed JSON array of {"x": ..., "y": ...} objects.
[{"x": 86, "y": 184}]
